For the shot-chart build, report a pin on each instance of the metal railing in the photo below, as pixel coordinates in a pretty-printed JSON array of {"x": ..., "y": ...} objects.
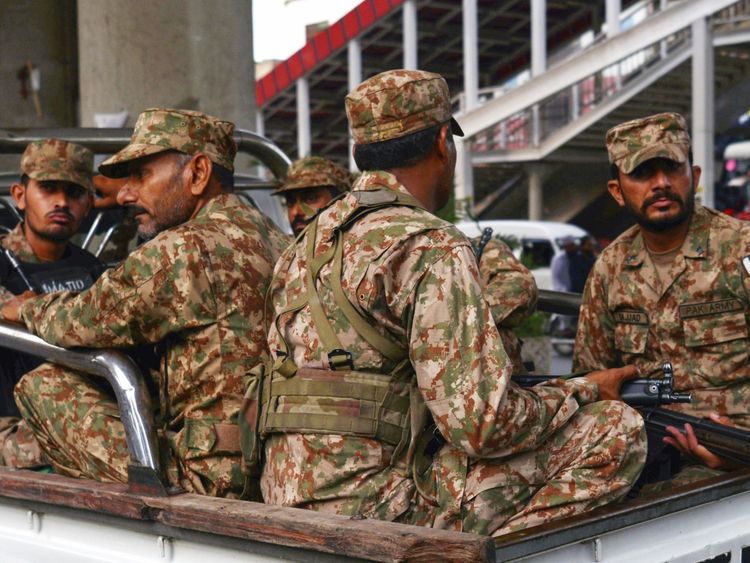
[
  {"x": 524, "y": 117},
  {"x": 109, "y": 141},
  {"x": 144, "y": 471}
]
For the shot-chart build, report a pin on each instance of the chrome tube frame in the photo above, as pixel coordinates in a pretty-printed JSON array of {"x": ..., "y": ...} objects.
[
  {"x": 130, "y": 390},
  {"x": 104, "y": 141}
]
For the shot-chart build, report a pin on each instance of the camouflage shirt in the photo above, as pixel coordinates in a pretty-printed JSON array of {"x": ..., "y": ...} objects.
[
  {"x": 511, "y": 293},
  {"x": 415, "y": 277},
  {"x": 196, "y": 291},
  {"x": 697, "y": 318}
]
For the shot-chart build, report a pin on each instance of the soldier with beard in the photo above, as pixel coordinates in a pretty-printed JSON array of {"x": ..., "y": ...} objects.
[
  {"x": 673, "y": 286},
  {"x": 193, "y": 293}
]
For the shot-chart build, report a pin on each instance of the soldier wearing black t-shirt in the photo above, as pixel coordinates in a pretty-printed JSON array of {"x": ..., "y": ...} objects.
[{"x": 55, "y": 194}]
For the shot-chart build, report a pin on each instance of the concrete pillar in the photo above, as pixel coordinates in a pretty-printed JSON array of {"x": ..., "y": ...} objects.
[
  {"x": 613, "y": 8},
  {"x": 464, "y": 178},
  {"x": 42, "y": 32},
  {"x": 703, "y": 106},
  {"x": 536, "y": 201},
  {"x": 471, "y": 55},
  {"x": 303, "y": 118},
  {"x": 260, "y": 124},
  {"x": 189, "y": 54},
  {"x": 575, "y": 101},
  {"x": 410, "y": 34},
  {"x": 663, "y": 45},
  {"x": 354, "y": 56},
  {"x": 538, "y": 37},
  {"x": 538, "y": 57}
]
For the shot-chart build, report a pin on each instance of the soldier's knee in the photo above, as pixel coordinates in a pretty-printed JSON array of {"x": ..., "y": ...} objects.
[{"x": 618, "y": 418}]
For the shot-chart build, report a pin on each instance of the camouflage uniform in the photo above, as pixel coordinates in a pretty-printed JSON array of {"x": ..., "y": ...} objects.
[
  {"x": 698, "y": 321},
  {"x": 511, "y": 293},
  {"x": 196, "y": 292},
  {"x": 697, "y": 318},
  {"x": 511, "y": 458},
  {"x": 43, "y": 160}
]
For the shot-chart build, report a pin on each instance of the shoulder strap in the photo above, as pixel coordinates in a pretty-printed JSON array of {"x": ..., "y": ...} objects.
[{"x": 339, "y": 358}]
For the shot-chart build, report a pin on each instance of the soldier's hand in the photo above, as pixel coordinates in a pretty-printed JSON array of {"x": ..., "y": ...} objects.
[
  {"x": 107, "y": 190},
  {"x": 688, "y": 444},
  {"x": 610, "y": 380},
  {"x": 11, "y": 308}
]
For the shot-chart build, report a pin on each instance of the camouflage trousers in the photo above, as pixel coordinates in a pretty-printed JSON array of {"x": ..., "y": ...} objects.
[
  {"x": 76, "y": 421},
  {"x": 593, "y": 460},
  {"x": 18, "y": 446}
]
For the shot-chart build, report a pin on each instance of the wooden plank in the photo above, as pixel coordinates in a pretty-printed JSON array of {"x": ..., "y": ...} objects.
[{"x": 295, "y": 528}]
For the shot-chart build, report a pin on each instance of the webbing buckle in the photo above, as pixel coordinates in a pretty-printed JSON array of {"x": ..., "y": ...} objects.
[{"x": 339, "y": 358}]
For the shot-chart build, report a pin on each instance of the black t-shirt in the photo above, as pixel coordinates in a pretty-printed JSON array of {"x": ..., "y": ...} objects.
[{"x": 76, "y": 271}]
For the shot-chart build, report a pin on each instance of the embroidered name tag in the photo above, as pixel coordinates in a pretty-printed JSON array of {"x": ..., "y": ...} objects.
[
  {"x": 711, "y": 308},
  {"x": 631, "y": 317}
]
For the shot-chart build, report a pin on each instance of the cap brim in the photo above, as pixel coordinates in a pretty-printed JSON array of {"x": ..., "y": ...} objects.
[
  {"x": 60, "y": 176},
  {"x": 456, "y": 128},
  {"x": 671, "y": 151},
  {"x": 116, "y": 165}
]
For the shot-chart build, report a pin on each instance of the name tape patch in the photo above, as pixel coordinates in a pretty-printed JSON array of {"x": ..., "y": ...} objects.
[
  {"x": 690, "y": 310},
  {"x": 631, "y": 317}
]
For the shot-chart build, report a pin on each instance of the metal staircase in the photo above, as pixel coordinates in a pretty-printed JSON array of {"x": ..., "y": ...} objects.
[{"x": 560, "y": 117}]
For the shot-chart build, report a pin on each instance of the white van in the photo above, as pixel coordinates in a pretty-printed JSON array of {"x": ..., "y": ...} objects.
[{"x": 539, "y": 241}]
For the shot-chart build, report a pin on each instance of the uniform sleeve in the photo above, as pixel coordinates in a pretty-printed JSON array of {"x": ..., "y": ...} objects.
[
  {"x": 509, "y": 287},
  {"x": 464, "y": 373},
  {"x": 161, "y": 288},
  {"x": 594, "y": 347}
]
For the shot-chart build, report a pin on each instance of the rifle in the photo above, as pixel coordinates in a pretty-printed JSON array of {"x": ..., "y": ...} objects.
[
  {"x": 725, "y": 441},
  {"x": 636, "y": 392}
]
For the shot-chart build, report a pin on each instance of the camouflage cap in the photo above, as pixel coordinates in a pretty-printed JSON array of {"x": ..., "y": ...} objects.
[
  {"x": 663, "y": 135},
  {"x": 314, "y": 171},
  {"x": 396, "y": 103},
  {"x": 159, "y": 130},
  {"x": 53, "y": 159}
]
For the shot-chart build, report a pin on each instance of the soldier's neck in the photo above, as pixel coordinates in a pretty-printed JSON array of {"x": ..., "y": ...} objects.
[
  {"x": 419, "y": 183},
  {"x": 665, "y": 241},
  {"x": 44, "y": 249}
]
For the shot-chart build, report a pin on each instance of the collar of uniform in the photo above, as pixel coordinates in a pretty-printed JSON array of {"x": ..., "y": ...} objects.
[
  {"x": 694, "y": 246},
  {"x": 336, "y": 214},
  {"x": 377, "y": 180},
  {"x": 221, "y": 201},
  {"x": 16, "y": 242}
]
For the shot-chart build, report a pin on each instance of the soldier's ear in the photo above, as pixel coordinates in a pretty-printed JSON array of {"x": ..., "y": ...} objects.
[
  {"x": 18, "y": 191},
  {"x": 200, "y": 173},
  {"x": 696, "y": 175},
  {"x": 444, "y": 139},
  {"x": 615, "y": 191}
]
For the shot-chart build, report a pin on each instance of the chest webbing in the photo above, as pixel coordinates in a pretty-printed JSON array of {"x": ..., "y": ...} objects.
[{"x": 339, "y": 400}]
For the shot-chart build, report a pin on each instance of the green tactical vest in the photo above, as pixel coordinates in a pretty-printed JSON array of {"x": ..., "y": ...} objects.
[{"x": 283, "y": 398}]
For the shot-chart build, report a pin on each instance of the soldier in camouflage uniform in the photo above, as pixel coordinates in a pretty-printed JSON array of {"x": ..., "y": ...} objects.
[
  {"x": 55, "y": 195},
  {"x": 194, "y": 292},
  {"x": 511, "y": 293},
  {"x": 311, "y": 183},
  {"x": 673, "y": 287},
  {"x": 380, "y": 328}
]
